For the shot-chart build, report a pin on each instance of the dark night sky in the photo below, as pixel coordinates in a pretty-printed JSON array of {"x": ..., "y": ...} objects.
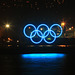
[
  {"x": 55, "y": 14},
  {"x": 19, "y": 17}
]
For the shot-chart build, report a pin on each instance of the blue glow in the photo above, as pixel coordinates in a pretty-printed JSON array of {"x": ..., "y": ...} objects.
[
  {"x": 59, "y": 27},
  {"x": 47, "y": 31},
  {"x": 43, "y": 35},
  {"x": 35, "y": 34},
  {"x": 24, "y": 30},
  {"x": 44, "y": 55},
  {"x": 52, "y": 36},
  {"x": 40, "y": 26}
]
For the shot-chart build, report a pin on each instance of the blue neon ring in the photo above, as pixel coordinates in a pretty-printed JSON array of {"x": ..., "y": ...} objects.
[
  {"x": 25, "y": 29},
  {"x": 47, "y": 33},
  {"x": 59, "y": 27},
  {"x": 43, "y": 35},
  {"x": 52, "y": 36},
  {"x": 35, "y": 34},
  {"x": 40, "y": 26}
]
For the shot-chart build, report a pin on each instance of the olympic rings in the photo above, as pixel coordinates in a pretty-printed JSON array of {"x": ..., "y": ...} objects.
[{"x": 36, "y": 31}]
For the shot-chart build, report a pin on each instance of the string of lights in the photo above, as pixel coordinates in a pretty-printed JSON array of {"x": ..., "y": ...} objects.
[{"x": 30, "y": 3}]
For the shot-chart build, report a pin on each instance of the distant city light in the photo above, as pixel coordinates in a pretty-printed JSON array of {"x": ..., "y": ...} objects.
[
  {"x": 58, "y": 33},
  {"x": 27, "y": 1},
  {"x": 63, "y": 24},
  {"x": 9, "y": 45},
  {"x": 70, "y": 28},
  {"x": 41, "y": 28},
  {"x": 17, "y": 45},
  {"x": 9, "y": 39},
  {"x": 29, "y": 27},
  {"x": 48, "y": 38},
  {"x": 17, "y": 40},
  {"x": 60, "y": 1},
  {"x": 34, "y": 4},
  {"x": 7, "y": 25}
]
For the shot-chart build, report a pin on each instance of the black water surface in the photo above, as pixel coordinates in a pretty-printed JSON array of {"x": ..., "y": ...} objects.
[{"x": 45, "y": 64}]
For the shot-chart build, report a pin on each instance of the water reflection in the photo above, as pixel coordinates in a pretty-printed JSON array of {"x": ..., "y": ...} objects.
[
  {"x": 37, "y": 64},
  {"x": 44, "y": 55},
  {"x": 50, "y": 46},
  {"x": 43, "y": 64}
]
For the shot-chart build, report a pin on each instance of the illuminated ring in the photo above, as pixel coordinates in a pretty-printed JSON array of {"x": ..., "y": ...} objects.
[
  {"x": 42, "y": 35},
  {"x": 40, "y": 26},
  {"x": 25, "y": 29},
  {"x": 49, "y": 31},
  {"x": 35, "y": 31},
  {"x": 59, "y": 27}
]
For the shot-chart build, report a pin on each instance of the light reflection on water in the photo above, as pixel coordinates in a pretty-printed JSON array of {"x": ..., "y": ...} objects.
[
  {"x": 44, "y": 55},
  {"x": 50, "y": 46},
  {"x": 43, "y": 64},
  {"x": 41, "y": 45}
]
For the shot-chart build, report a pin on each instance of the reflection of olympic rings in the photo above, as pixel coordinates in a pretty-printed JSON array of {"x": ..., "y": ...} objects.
[{"x": 43, "y": 36}]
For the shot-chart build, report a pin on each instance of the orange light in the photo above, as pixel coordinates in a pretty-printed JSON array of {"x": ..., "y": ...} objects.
[
  {"x": 62, "y": 24},
  {"x": 41, "y": 28},
  {"x": 9, "y": 39},
  {"x": 61, "y": 45},
  {"x": 72, "y": 27},
  {"x": 29, "y": 27},
  {"x": 7, "y": 25}
]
